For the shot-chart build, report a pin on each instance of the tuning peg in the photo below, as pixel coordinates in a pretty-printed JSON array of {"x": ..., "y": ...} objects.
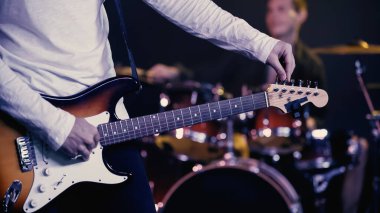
[
  {"x": 316, "y": 88},
  {"x": 284, "y": 84},
  {"x": 308, "y": 83},
  {"x": 292, "y": 83},
  {"x": 300, "y": 82},
  {"x": 276, "y": 83}
]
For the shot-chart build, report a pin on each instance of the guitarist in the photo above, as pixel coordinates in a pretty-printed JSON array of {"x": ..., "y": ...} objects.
[{"x": 60, "y": 48}]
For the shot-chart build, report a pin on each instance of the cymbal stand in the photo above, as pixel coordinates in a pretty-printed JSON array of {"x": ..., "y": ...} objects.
[
  {"x": 230, "y": 155},
  {"x": 374, "y": 145},
  {"x": 320, "y": 181}
]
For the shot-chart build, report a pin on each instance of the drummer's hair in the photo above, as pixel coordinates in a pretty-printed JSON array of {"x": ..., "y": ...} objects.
[{"x": 300, "y": 5}]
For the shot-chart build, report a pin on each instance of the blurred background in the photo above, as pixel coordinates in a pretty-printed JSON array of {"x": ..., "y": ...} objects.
[{"x": 155, "y": 40}]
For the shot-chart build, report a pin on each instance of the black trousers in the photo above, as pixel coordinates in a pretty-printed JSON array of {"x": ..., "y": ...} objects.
[{"x": 132, "y": 196}]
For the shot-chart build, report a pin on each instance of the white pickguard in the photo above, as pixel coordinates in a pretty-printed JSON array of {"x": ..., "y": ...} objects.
[{"x": 54, "y": 173}]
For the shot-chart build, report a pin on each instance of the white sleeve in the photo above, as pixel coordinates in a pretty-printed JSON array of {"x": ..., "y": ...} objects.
[
  {"x": 41, "y": 118},
  {"x": 204, "y": 19}
]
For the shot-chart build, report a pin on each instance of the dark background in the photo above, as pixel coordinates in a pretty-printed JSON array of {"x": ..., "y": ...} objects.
[{"x": 153, "y": 40}]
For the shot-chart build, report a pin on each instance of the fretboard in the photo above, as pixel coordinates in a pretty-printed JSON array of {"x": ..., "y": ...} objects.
[{"x": 134, "y": 128}]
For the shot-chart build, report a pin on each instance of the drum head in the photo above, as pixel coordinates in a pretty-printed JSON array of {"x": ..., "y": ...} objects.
[{"x": 239, "y": 186}]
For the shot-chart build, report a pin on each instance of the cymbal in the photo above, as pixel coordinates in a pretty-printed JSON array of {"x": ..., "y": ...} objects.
[
  {"x": 355, "y": 48},
  {"x": 373, "y": 86}
]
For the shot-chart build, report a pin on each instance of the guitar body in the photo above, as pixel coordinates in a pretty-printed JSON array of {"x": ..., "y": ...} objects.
[{"x": 53, "y": 172}]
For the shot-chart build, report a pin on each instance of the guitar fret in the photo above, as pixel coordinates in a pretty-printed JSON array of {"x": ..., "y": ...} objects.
[
  {"x": 214, "y": 110},
  {"x": 246, "y": 103},
  {"x": 209, "y": 110},
  {"x": 200, "y": 113},
  {"x": 175, "y": 122},
  {"x": 225, "y": 108},
  {"x": 135, "y": 128},
  {"x": 162, "y": 120},
  {"x": 187, "y": 116},
  {"x": 235, "y": 106},
  {"x": 123, "y": 127},
  {"x": 219, "y": 110},
  {"x": 205, "y": 112},
  {"x": 183, "y": 120},
  {"x": 253, "y": 101},
  {"x": 142, "y": 126},
  {"x": 145, "y": 126},
  {"x": 130, "y": 128},
  {"x": 157, "y": 128},
  {"x": 102, "y": 130},
  {"x": 241, "y": 105},
  {"x": 229, "y": 103},
  {"x": 112, "y": 129},
  {"x": 195, "y": 115},
  {"x": 167, "y": 123},
  {"x": 106, "y": 128},
  {"x": 178, "y": 118},
  {"x": 170, "y": 120},
  {"x": 118, "y": 127}
]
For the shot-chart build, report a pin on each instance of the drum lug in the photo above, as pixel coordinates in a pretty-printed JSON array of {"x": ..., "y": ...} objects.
[
  {"x": 11, "y": 196},
  {"x": 321, "y": 181}
]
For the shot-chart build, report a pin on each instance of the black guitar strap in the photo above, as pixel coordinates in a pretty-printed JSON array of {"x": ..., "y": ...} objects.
[{"x": 123, "y": 30}]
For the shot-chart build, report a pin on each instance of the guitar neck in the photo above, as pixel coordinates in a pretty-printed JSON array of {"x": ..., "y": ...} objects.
[{"x": 129, "y": 129}]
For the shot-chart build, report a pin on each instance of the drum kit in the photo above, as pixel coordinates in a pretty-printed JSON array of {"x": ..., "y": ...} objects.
[{"x": 248, "y": 161}]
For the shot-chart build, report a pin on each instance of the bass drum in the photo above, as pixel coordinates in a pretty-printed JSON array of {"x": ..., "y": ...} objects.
[{"x": 235, "y": 185}]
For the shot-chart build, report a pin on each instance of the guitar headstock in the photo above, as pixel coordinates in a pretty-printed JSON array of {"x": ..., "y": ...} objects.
[{"x": 283, "y": 95}]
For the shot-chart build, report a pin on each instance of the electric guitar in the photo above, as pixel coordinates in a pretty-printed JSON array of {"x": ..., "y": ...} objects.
[{"x": 32, "y": 175}]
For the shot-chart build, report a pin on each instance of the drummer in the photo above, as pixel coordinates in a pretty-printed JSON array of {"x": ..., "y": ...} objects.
[{"x": 284, "y": 19}]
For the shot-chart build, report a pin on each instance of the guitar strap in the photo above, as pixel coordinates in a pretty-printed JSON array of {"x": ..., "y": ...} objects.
[{"x": 123, "y": 30}]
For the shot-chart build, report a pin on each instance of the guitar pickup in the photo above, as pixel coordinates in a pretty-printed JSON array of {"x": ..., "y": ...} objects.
[{"x": 25, "y": 151}]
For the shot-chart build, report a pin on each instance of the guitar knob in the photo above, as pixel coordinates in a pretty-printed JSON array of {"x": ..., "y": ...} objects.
[
  {"x": 42, "y": 188},
  {"x": 47, "y": 172},
  {"x": 33, "y": 203}
]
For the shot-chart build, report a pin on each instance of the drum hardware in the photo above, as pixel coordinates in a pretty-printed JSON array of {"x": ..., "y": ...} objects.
[
  {"x": 320, "y": 182},
  {"x": 374, "y": 157},
  {"x": 230, "y": 139}
]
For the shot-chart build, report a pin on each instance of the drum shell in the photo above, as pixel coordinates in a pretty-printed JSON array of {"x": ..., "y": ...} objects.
[
  {"x": 237, "y": 185},
  {"x": 275, "y": 132}
]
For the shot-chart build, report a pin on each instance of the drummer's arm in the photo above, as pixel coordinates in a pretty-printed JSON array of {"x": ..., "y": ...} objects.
[{"x": 159, "y": 73}]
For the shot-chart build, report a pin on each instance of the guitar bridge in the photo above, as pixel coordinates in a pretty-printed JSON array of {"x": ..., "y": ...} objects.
[{"x": 26, "y": 153}]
